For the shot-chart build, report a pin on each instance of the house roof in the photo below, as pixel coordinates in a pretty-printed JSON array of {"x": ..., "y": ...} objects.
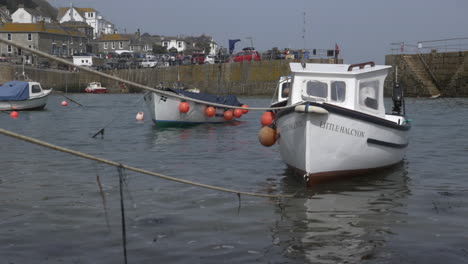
[
  {"x": 114, "y": 37},
  {"x": 75, "y": 24},
  {"x": 63, "y": 10},
  {"x": 50, "y": 28}
]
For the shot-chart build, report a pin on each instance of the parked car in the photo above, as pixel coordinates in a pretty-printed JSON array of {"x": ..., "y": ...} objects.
[
  {"x": 198, "y": 58},
  {"x": 149, "y": 63},
  {"x": 210, "y": 59},
  {"x": 246, "y": 55}
]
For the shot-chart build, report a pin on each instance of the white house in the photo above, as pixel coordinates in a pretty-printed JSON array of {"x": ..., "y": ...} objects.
[
  {"x": 172, "y": 42},
  {"x": 28, "y": 15},
  {"x": 88, "y": 15}
]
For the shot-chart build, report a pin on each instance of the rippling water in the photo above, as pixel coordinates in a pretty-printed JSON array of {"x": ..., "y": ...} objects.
[{"x": 51, "y": 210}]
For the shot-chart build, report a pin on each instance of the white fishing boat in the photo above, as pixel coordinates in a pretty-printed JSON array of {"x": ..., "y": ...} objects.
[
  {"x": 336, "y": 123},
  {"x": 175, "y": 110},
  {"x": 23, "y": 95}
]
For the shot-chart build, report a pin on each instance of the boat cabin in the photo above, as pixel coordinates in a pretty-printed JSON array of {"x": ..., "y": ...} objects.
[
  {"x": 20, "y": 90},
  {"x": 357, "y": 87}
]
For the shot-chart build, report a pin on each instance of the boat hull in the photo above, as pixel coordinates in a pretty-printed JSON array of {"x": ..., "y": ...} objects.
[
  {"x": 322, "y": 147},
  {"x": 28, "y": 104},
  {"x": 164, "y": 110},
  {"x": 96, "y": 91}
]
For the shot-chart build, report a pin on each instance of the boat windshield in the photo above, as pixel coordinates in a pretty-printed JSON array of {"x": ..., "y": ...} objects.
[{"x": 35, "y": 88}]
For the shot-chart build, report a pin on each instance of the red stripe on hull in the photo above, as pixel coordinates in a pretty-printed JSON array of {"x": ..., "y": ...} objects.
[{"x": 320, "y": 177}]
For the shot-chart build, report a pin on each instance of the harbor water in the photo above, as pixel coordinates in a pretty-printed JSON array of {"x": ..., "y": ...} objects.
[{"x": 52, "y": 209}]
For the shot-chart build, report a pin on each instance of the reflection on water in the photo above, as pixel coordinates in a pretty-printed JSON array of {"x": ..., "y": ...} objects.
[{"x": 343, "y": 221}]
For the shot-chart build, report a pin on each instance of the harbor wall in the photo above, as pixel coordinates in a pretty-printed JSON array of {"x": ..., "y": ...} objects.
[
  {"x": 247, "y": 78},
  {"x": 448, "y": 71}
]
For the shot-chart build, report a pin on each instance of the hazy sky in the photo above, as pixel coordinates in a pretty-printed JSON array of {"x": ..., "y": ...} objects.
[{"x": 363, "y": 29}]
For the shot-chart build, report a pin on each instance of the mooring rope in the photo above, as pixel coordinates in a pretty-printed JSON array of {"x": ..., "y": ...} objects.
[
  {"x": 144, "y": 87},
  {"x": 119, "y": 165}
]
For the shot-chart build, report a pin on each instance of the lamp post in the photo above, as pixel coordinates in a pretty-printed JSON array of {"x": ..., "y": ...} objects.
[
  {"x": 251, "y": 41},
  {"x": 251, "y": 45}
]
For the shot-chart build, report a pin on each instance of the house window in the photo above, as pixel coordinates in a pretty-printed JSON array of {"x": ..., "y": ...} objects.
[
  {"x": 9, "y": 48},
  {"x": 20, "y": 51},
  {"x": 120, "y": 45},
  {"x": 338, "y": 91},
  {"x": 106, "y": 45},
  {"x": 29, "y": 36},
  {"x": 90, "y": 14},
  {"x": 113, "y": 45},
  {"x": 165, "y": 44},
  {"x": 369, "y": 94},
  {"x": 316, "y": 89},
  {"x": 132, "y": 48},
  {"x": 179, "y": 44},
  {"x": 9, "y": 36}
]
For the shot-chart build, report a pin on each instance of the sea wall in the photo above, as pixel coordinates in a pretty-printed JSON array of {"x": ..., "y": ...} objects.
[
  {"x": 248, "y": 78},
  {"x": 447, "y": 70}
]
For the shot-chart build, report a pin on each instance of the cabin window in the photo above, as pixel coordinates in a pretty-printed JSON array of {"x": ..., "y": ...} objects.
[
  {"x": 338, "y": 91},
  {"x": 317, "y": 89},
  {"x": 369, "y": 94},
  {"x": 35, "y": 89},
  {"x": 285, "y": 89}
]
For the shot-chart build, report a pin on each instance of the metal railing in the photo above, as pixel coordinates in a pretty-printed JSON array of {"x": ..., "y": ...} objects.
[{"x": 427, "y": 46}]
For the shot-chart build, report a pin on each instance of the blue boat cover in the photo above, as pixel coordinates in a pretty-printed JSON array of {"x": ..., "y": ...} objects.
[
  {"x": 226, "y": 100},
  {"x": 14, "y": 91}
]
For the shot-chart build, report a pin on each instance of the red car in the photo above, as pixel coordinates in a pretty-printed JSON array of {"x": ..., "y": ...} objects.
[
  {"x": 246, "y": 55},
  {"x": 198, "y": 58}
]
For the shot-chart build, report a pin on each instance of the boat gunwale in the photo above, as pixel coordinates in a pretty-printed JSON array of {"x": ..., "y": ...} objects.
[{"x": 350, "y": 113}]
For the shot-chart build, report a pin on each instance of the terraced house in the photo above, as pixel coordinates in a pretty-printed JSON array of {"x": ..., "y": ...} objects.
[
  {"x": 111, "y": 43},
  {"x": 47, "y": 37}
]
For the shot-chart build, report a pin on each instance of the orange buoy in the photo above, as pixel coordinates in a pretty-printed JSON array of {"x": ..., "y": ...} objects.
[
  {"x": 210, "y": 111},
  {"x": 227, "y": 115},
  {"x": 184, "y": 107},
  {"x": 140, "y": 116},
  {"x": 64, "y": 103},
  {"x": 14, "y": 114},
  {"x": 267, "y": 136},
  {"x": 267, "y": 118},
  {"x": 237, "y": 112},
  {"x": 245, "y": 111}
]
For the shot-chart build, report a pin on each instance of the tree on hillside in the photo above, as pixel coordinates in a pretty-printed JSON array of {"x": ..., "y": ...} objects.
[
  {"x": 12, "y": 5},
  {"x": 158, "y": 49}
]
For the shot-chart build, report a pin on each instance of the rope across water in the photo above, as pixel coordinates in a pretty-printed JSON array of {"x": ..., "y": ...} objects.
[{"x": 120, "y": 165}]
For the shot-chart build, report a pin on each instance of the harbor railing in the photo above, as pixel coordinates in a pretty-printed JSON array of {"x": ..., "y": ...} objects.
[{"x": 427, "y": 46}]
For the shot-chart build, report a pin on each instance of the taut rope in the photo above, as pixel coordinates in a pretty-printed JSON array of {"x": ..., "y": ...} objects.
[{"x": 119, "y": 165}]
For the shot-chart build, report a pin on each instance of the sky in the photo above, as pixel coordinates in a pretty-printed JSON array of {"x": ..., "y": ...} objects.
[{"x": 363, "y": 29}]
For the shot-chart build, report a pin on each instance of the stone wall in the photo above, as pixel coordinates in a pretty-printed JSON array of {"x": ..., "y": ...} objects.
[
  {"x": 248, "y": 78},
  {"x": 450, "y": 70}
]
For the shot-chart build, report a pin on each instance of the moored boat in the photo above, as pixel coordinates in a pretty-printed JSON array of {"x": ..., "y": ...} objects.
[
  {"x": 23, "y": 95},
  {"x": 95, "y": 87},
  {"x": 175, "y": 110},
  {"x": 336, "y": 123}
]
